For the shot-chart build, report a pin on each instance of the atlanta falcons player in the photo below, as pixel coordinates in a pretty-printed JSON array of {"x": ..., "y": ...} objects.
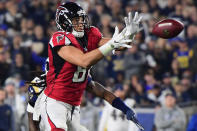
[{"x": 72, "y": 51}]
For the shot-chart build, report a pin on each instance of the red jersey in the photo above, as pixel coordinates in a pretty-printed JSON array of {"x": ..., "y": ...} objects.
[{"x": 65, "y": 81}]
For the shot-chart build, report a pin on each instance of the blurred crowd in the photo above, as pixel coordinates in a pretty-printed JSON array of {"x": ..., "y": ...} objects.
[{"x": 152, "y": 67}]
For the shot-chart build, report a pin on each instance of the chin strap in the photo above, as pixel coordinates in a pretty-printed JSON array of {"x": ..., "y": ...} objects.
[{"x": 78, "y": 34}]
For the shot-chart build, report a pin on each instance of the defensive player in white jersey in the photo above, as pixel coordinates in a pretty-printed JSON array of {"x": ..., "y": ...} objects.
[
  {"x": 35, "y": 91},
  {"x": 113, "y": 119}
]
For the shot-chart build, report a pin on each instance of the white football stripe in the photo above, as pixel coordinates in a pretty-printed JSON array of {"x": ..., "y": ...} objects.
[{"x": 165, "y": 24}]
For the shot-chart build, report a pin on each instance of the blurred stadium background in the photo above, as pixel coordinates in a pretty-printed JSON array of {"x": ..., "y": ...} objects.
[{"x": 147, "y": 71}]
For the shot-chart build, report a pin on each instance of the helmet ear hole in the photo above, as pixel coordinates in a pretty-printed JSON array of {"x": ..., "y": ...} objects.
[{"x": 66, "y": 27}]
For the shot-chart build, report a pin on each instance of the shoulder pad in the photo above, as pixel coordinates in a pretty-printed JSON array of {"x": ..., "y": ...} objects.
[{"x": 95, "y": 31}]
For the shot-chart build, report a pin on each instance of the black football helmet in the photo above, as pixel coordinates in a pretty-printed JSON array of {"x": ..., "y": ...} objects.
[{"x": 66, "y": 12}]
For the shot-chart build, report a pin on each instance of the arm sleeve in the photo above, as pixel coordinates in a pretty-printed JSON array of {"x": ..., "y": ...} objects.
[{"x": 58, "y": 40}]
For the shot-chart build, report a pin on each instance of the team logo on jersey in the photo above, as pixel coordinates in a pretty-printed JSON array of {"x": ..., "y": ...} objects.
[
  {"x": 85, "y": 49},
  {"x": 59, "y": 38}
]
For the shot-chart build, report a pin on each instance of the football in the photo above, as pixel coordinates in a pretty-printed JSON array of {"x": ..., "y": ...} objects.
[{"x": 167, "y": 28}]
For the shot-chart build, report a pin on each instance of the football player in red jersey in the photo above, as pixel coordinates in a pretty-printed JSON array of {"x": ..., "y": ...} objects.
[{"x": 72, "y": 51}]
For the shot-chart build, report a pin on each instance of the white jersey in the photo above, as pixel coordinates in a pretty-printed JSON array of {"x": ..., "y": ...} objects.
[{"x": 113, "y": 119}]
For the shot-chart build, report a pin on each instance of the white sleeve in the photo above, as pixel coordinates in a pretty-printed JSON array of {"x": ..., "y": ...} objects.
[{"x": 30, "y": 108}]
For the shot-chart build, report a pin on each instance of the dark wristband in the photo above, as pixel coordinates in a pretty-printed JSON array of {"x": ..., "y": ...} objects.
[{"x": 119, "y": 104}]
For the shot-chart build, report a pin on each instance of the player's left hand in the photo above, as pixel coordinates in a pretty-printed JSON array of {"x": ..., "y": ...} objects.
[
  {"x": 132, "y": 25},
  {"x": 131, "y": 116}
]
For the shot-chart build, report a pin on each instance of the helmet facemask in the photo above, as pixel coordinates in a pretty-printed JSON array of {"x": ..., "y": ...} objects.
[{"x": 79, "y": 24}]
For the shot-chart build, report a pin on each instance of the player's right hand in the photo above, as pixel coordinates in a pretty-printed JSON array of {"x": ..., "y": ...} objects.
[{"x": 119, "y": 40}]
